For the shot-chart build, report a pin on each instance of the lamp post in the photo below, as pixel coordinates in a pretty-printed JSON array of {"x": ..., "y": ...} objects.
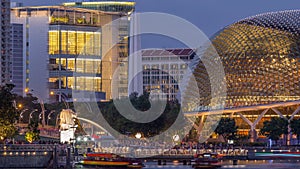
[
  {"x": 21, "y": 115},
  {"x": 49, "y": 116},
  {"x": 41, "y": 102},
  {"x": 30, "y": 115}
]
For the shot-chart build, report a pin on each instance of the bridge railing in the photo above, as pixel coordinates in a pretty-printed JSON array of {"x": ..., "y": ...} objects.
[
  {"x": 153, "y": 151},
  {"x": 27, "y": 147}
]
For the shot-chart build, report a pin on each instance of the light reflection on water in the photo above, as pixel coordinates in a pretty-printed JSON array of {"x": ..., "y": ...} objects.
[{"x": 260, "y": 164}]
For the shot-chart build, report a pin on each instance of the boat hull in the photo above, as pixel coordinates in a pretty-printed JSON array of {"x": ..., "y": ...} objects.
[
  {"x": 110, "y": 164},
  {"x": 206, "y": 166}
]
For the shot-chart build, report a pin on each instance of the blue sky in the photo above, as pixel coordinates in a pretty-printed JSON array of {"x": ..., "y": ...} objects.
[{"x": 208, "y": 15}]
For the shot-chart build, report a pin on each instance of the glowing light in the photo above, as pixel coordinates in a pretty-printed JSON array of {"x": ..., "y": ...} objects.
[
  {"x": 20, "y": 105},
  {"x": 138, "y": 135},
  {"x": 176, "y": 138}
]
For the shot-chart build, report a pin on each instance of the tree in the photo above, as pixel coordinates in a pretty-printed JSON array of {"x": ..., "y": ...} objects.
[
  {"x": 33, "y": 132},
  {"x": 295, "y": 128},
  {"x": 227, "y": 128},
  {"x": 8, "y": 112},
  {"x": 142, "y": 103},
  {"x": 274, "y": 128}
]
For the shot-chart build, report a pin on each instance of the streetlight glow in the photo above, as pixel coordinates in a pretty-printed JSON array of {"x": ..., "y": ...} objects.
[
  {"x": 138, "y": 135},
  {"x": 21, "y": 114},
  {"x": 30, "y": 115},
  {"x": 20, "y": 105},
  {"x": 176, "y": 138},
  {"x": 49, "y": 116}
]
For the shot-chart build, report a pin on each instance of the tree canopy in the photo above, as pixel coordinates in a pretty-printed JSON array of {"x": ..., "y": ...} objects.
[
  {"x": 295, "y": 128},
  {"x": 274, "y": 128},
  {"x": 33, "y": 133},
  {"x": 8, "y": 112},
  {"x": 227, "y": 129},
  {"x": 126, "y": 126}
]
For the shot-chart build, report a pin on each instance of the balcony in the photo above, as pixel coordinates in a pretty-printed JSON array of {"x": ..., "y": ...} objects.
[{"x": 59, "y": 73}]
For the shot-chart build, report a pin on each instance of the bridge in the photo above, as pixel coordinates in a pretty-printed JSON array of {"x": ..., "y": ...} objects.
[{"x": 246, "y": 114}]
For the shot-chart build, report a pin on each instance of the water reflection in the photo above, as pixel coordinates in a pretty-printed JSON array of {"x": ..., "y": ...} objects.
[{"x": 245, "y": 164}]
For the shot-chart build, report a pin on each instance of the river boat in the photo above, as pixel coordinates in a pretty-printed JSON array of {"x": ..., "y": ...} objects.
[
  {"x": 109, "y": 160},
  {"x": 207, "y": 161}
]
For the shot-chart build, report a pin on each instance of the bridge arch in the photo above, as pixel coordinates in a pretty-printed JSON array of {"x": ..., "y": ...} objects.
[{"x": 94, "y": 123}]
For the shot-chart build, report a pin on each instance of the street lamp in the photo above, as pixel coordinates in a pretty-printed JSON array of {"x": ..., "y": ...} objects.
[
  {"x": 49, "y": 116},
  {"x": 42, "y": 106},
  {"x": 20, "y": 105},
  {"x": 21, "y": 115},
  {"x": 138, "y": 135},
  {"x": 30, "y": 115}
]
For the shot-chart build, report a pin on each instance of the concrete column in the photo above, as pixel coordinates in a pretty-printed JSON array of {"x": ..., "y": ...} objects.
[
  {"x": 199, "y": 126},
  {"x": 252, "y": 134},
  {"x": 55, "y": 157},
  {"x": 68, "y": 160},
  {"x": 288, "y": 142}
]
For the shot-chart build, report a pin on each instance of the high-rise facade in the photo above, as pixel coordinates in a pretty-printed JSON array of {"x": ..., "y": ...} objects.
[
  {"x": 71, "y": 51},
  {"x": 5, "y": 46},
  {"x": 18, "y": 61},
  {"x": 114, "y": 81}
]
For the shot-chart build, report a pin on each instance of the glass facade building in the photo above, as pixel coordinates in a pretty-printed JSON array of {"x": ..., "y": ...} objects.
[
  {"x": 79, "y": 49},
  {"x": 18, "y": 66}
]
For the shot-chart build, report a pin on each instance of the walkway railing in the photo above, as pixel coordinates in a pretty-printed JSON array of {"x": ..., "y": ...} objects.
[{"x": 152, "y": 151}]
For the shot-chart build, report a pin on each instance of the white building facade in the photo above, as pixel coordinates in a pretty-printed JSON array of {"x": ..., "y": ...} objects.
[
  {"x": 71, "y": 50},
  {"x": 163, "y": 70}
]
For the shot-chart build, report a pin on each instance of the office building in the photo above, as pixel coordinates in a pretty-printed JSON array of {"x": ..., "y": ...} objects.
[
  {"x": 18, "y": 61},
  {"x": 5, "y": 46},
  {"x": 72, "y": 51}
]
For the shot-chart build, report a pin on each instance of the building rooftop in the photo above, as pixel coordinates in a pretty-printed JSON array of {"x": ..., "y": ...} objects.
[
  {"x": 67, "y": 15},
  {"x": 167, "y": 52}
]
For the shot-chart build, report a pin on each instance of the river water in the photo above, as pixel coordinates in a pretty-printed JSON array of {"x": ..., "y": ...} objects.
[{"x": 262, "y": 164}]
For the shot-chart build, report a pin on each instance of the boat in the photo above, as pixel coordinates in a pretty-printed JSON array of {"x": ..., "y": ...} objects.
[
  {"x": 207, "y": 160},
  {"x": 109, "y": 160}
]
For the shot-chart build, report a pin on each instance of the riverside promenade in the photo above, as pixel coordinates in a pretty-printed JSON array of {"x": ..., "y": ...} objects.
[
  {"x": 31, "y": 155},
  {"x": 60, "y": 156}
]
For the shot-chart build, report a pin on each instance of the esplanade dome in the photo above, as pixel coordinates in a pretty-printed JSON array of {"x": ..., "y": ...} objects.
[{"x": 261, "y": 59}]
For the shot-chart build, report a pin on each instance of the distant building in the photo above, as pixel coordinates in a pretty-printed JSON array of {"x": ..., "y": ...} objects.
[
  {"x": 163, "y": 70},
  {"x": 5, "y": 46},
  {"x": 69, "y": 51},
  {"x": 18, "y": 61}
]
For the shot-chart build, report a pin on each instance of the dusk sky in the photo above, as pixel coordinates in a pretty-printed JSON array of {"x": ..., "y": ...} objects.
[{"x": 208, "y": 15}]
